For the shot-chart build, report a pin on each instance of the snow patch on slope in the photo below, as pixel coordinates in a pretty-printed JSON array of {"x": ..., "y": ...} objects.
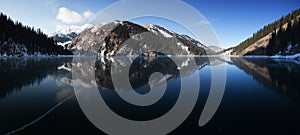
[
  {"x": 155, "y": 29},
  {"x": 165, "y": 34},
  {"x": 64, "y": 44}
]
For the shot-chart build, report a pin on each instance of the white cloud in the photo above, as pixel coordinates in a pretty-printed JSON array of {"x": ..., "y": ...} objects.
[
  {"x": 68, "y": 16},
  {"x": 88, "y": 14}
]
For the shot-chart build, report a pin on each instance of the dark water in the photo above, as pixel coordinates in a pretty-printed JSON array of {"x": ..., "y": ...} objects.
[{"x": 261, "y": 95}]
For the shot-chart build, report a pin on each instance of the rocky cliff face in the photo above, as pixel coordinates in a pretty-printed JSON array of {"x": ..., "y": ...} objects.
[{"x": 126, "y": 38}]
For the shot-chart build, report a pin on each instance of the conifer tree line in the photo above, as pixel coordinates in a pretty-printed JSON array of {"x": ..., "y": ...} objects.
[
  {"x": 16, "y": 39},
  {"x": 271, "y": 28},
  {"x": 281, "y": 39}
]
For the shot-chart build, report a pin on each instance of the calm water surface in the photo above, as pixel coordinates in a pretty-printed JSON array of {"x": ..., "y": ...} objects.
[{"x": 261, "y": 95}]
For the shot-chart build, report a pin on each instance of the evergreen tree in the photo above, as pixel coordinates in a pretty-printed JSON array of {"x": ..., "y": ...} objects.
[
  {"x": 15, "y": 39},
  {"x": 272, "y": 44},
  {"x": 289, "y": 36}
]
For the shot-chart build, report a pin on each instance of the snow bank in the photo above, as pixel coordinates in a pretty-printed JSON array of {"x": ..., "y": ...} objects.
[
  {"x": 37, "y": 55},
  {"x": 295, "y": 56}
]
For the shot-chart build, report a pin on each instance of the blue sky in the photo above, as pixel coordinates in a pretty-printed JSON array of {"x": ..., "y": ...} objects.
[{"x": 232, "y": 20}]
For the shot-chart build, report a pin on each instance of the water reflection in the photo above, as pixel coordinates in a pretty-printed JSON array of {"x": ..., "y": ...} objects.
[
  {"x": 32, "y": 86},
  {"x": 16, "y": 73},
  {"x": 278, "y": 74},
  {"x": 142, "y": 67},
  {"x": 281, "y": 75}
]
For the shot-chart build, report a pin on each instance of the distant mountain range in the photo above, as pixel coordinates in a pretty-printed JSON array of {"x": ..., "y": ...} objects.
[
  {"x": 110, "y": 39},
  {"x": 216, "y": 49},
  {"x": 127, "y": 38},
  {"x": 64, "y": 36},
  {"x": 122, "y": 38}
]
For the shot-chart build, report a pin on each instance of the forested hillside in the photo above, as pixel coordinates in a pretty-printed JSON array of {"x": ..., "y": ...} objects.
[
  {"x": 285, "y": 41},
  {"x": 19, "y": 40},
  {"x": 282, "y": 35}
]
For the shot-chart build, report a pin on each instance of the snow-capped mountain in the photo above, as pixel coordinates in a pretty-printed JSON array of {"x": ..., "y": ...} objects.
[
  {"x": 64, "y": 36},
  {"x": 216, "y": 48},
  {"x": 75, "y": 29},
  {"x": 127, "y": 38},
  {"x": 183, "y": 38}
]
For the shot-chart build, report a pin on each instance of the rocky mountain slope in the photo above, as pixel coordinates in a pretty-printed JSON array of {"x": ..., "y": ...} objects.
[
  {"x": 126, "y": 38},
  {"x": 217, "y": 49},
  {"x": 182, "y": 38}
]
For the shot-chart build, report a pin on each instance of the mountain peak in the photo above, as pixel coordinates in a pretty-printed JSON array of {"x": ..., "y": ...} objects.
[
  {"x": 148, "y": 26},
  {"x": 123, "y": 38}
]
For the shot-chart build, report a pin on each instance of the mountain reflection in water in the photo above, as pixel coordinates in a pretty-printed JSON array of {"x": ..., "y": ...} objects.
[
  {"x": 278, "y": 74},
  {"x": 257, "y": 91},
  {"x": 141, "y": 68}
]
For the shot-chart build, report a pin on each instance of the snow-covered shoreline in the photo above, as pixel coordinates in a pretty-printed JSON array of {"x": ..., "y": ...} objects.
[
  {"x": 295, "y": 56},
  {"x": 36, "y": 56}
]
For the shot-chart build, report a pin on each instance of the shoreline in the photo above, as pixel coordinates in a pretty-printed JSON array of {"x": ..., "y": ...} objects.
[{"x": 295, "y": 56}]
